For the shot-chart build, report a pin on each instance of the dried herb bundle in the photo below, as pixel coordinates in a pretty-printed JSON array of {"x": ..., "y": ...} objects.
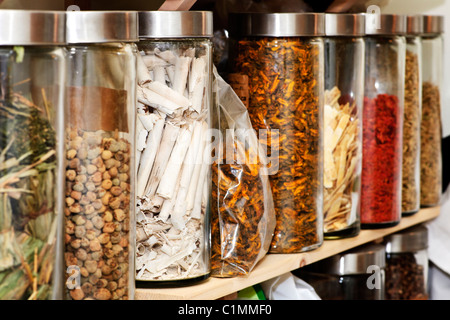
[
  {"x": 430, "y": 147},
  {"x": 283, "y": 86},
  {"x": 27, "y": 192},
  {"x": 411, "y": 136},
  {"x": 342, "y": 156},
  {"x": 237, "y": 216}
]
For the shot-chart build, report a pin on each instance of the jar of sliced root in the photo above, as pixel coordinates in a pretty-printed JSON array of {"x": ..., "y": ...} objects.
[
  {"x": 344, "y": 98},
  {"x": 99, "y": 207},
  {"x": 173, "y": 173}
]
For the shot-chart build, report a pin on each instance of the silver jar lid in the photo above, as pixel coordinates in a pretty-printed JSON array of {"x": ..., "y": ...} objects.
[
  {"x": 101, "y": 26},
  {"x": 414, "y": 24},
  {"x": 433, "y": 24},
  {"x": 32, "y": 27},
  {"x": 409, "y": 240},
  {"x": 354, "y": 261},
  {"x": 277, "y": 24},
  {"x": 385, "y": 24},
  {"x": 344, "y": 24},
  {"x": 175, "y": 24}
]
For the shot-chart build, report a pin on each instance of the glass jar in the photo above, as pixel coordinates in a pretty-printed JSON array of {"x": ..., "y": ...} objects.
[
  {"x": 412, "y": 117},
  {"x": 99, "y": 175},
  {"x": 32, "y": 75},
  {"x": 431, "y": 127},
  {"x": 381, "y": 177},
  {"x": 173, "y": 134},
  {"x": 407, "y": 264},
  {"x": 277, "y": 69},
  {"x": 344, "y": 97},
  {"x": 356, "y": 274}
]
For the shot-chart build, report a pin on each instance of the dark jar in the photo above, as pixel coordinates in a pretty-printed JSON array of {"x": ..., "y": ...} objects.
[
  {"x": 407, "y": 264},
  {"x": 381, "y": 177},
  {"x": 357, "y": 274}
]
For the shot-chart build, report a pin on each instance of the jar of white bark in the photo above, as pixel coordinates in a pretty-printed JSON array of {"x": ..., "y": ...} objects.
[{"x": 173, "y": 148}]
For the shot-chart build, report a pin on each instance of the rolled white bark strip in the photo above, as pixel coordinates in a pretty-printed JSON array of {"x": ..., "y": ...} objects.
[
  {"x": 169, "y": 137},
  {"x": 153, "y": 98},
  {"x": 142, "y": 73},
  {"x": 148, "y": 120},
  {"x": 167, "y": 205},
  {"x": 190, "y": 198},
  {"x": 197, "y": 72},
  {"x": 169, "y": 178},
  {"x": 141, "y": 139},
  {"x": 197, "y": 209},
  {"x": 166, "y": 55},
  {"x": 188, "y": 169},
  {"x": 151, "y": 61},
  {"x": 148, "y": 156},
  {"x": 170, "y": 70},
  {"x": 168, "y": 93},
  {"x": 181, "y": 74},
  {"x": 159, "y": 74},
  {"x": 198, "y": 94}
]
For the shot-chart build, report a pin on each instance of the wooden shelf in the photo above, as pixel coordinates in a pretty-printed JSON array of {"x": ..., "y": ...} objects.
[{"x": 274, "y": 265}]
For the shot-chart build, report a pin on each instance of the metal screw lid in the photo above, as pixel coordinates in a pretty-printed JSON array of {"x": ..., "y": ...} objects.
[
  {"x": 277, "y": 24},
  {"x": 433, "y": 24},
  {"x": 175, "y": 24},
  {"x": 414, "y": 25},
  {"x": 385, "y": 24},
  {"x": 101, "y": 26},
  {"x": 32, "y": 27},
  {"x": 344, "y": 24},
  {"x": 409, "y": 240},
  {"x": 354, "y": 261}
]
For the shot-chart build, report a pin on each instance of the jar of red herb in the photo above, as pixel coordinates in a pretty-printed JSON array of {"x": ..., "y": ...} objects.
[{"x": 381, "y": 177}]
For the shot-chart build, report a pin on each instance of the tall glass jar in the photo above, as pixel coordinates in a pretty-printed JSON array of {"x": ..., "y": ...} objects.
[
  {"x": 173, "y": 135},
  {"x": 412, "y": 117},
  {"x": 356, "y": 274},
  {"x": 381, "y": 177},
  {"x": 99, "y": 175},
  {"x": 407, "y": 264},
  {"x": 344, "y": 97},
  {"x": 32, "y": 75},
  {"x": 277, "y": 68},
  {"x": 431, "y": 127}
]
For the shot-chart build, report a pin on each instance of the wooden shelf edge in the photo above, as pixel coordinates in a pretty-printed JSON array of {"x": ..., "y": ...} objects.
[{"x": 273, "y": 265}]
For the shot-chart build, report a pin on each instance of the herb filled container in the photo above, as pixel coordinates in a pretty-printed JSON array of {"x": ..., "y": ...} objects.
[
  {"x": 431, "y": 126},
  {"x": 412, "y": 117},
  {"x": 99, "y": 175},
  {"x": 33, "y": 65},
  {"x": 357, "y": 274},
  {"x": 344, "y": 97},
  {"x": 277, "y": 68},
  {"x": 407, "y": 264},
  {"x": 174, "y": 167},
  {"x": 381, "y": 176}
]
